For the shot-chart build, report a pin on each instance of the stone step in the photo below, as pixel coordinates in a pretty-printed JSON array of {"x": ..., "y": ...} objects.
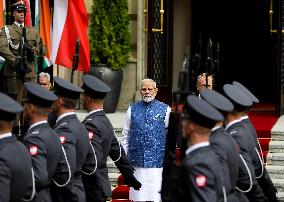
[
  {"x": 276, "y": 146},
  {"x": 280, "y": 196},
  {"x": 279, "y": 184},
  {"x": 276, "y": 172},
  {"x": 277, "y": 135},
  {"x": 113, "y": 178},
  {"x": 275, "y": 159}
]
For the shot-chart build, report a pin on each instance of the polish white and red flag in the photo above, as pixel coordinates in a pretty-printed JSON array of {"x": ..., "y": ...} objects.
[{"x": 70, "y": 22}]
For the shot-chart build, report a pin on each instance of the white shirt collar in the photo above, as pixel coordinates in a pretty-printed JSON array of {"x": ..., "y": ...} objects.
[
  {"x": 96, "y": 110},
  {"x": 244, "y": 117},
  {"x": 18, "y": 24},
  {"x": 196, "y": 146},
  {"x": 64, "y": 115},
  {"x": 4, "y": 135},
  {"x": 232, "y": 122},
  {"x": 36, "y": 124},
  {"x": 215, "y": 128}
]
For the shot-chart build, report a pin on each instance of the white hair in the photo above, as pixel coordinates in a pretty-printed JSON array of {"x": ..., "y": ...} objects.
[
  {"x": 44, "y": 74},
  {"x": 151, "y": 80}
]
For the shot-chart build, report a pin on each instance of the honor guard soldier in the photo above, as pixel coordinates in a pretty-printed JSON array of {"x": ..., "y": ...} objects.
[
  {"x": 15, "y": 162},
  {"x": 19, "y": 45},
  {"x": 97, "y": 186},
  {"x": 223, "y": 144},
  {"x": 42, "y": 141},
  {"x": 261, "y": 173},
  {"x": 244, "y": 141},
  {"x": 201, "y": 171},
  {"x": 74, "y": 137}
]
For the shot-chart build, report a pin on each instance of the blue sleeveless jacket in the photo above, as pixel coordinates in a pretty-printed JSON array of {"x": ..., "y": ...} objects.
[{"x": 147, "y": 138}]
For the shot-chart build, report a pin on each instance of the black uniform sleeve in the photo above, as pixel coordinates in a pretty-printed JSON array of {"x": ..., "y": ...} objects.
[
  {"x": 201, "y": 183},
  {"x": 121, "y": 161},
  {"x": 94, "y": 157},
  {"x": 68, "y": 142},
  {"x": 38, "y": 154},
  {"x": 5, "y": 177}
]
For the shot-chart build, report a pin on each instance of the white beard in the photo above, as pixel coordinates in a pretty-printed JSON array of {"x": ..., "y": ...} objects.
[{"x": 148, "y": 98}]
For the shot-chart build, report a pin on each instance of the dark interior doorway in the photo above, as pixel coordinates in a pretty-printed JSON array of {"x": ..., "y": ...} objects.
[{"x": 247, "y": 48}]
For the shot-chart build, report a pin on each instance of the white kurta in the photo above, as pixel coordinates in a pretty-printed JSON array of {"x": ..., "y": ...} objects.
[{"x": 150, "y": 178}]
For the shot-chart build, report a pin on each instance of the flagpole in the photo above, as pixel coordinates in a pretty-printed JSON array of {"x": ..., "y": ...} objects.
[{"x": 75, "y": 60}]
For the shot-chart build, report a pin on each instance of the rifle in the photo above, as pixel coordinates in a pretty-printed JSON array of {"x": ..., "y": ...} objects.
[
  {"x": 195, "y": 62},
  {"x": 41, "y": 57},
  {"x": 22, "y": 67},
  {"x": 209, "y": 62},
  {"x": 75, "y": 60},
  {"x": 175, "y": 143}
]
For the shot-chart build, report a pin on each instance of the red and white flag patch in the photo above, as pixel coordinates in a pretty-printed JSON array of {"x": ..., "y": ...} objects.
[
  {"x": 200, "y": 180},
  {"x": 62, "y": 139},
  {"x": 33, "y": 150},
  {"x": 91, "y": 135}
]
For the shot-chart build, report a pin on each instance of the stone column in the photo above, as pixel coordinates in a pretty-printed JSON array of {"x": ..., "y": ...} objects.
[{"x": 141, "y": 45}]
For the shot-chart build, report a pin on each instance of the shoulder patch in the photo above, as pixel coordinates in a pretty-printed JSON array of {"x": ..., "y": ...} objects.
[
  {"x": 233, "y": 132},
  {"x": 33, "y": 150},
  {"x": 62, "y": 139},
  {"x": 200, "y": 180},
  {"x": 91, "y": 135}
]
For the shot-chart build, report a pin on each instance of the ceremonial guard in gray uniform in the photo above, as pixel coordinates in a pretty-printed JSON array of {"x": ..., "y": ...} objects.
[
  {"x": 245, "y": 143},
  {"x": 201, "y": 171},
  {"x": 43, "y": 142},
  {"x": 222, "y": 143},
  {"x": 15, "y": 162},
  {"x": 261, "y": 173},
  {"x": 97, "y": 186},
  {"x": 74, "y": 138}
]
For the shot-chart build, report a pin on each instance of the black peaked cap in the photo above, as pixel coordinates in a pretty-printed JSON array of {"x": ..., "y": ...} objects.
[
  {"x": 247, "y": 91},
  {"x": 238, "y": 97},
  {"x": 8, "y": 108},
  {"x": 201, "y": 112},
  {"x": 94, "y": 86},
  {"x": 65, "y": 88},
  {"x": 217, "y": 100},
  {"x": 39, "y": 96},
  {"x": 18, "y": 6}
]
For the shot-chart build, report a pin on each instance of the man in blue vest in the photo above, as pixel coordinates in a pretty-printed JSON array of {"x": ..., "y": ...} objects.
[{"x": 144, "y": 138}]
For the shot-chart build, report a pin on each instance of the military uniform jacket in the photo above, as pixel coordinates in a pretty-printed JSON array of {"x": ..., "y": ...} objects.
[
  {"x": 15, "y": 170},
  {"x": 9, "y": 53},
  {"x": 226, "y": 149},
  {"x": 100, "y": 126},
  {"x": 261, "y": 173},
  {"x": 75, "y": 140},
  {"x": 46, "y": 152},
  {"x": 245, "y": 144},
  {"x": 201, "y": 176}
]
